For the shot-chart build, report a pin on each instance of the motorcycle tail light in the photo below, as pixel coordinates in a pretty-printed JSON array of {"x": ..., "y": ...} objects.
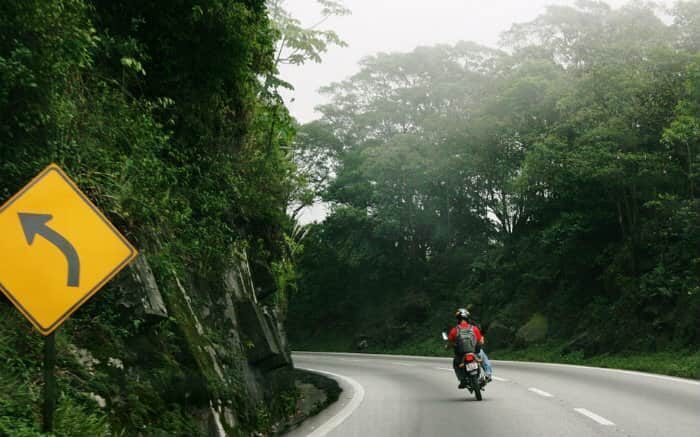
[{"x": 469, "y": 358}]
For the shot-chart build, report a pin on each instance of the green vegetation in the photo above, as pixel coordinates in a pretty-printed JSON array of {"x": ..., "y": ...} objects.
[
  {"x": 167, "y": 114},
  {"x": 552, "y": 184},
  {"x": 683, "y": 363},
  {"x": 554, "y": 178}
]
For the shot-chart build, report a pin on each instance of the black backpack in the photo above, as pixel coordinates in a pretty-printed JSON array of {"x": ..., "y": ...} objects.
[{"x": 465, "y": 341}]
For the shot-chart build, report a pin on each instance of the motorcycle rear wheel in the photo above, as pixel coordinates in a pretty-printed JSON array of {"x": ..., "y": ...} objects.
[{"x": 477, "y": 387}]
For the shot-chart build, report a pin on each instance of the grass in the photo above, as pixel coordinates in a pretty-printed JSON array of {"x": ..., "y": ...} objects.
[{"x": 682, "y": 363}]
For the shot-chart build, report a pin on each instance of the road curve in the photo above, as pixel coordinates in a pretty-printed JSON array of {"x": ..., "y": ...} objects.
[{"x": 417, "y": 396}]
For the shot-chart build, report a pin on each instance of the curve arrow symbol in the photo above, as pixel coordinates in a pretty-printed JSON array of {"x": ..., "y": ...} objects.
[{"x": 35, "y": 224}]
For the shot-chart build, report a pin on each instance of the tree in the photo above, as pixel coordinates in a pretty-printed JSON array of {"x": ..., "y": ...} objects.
[{"x": 557, "y": 176}]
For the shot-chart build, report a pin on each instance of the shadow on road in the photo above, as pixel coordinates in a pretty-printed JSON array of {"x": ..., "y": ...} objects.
[{"x": 459, "y": 399}]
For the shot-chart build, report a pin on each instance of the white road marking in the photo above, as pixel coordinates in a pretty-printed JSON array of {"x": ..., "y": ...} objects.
[
  {"x": 541, "y": 392},
  {"x": 605, "y": 369},
  {"x": 445, "y": 368},
  {"x": 403, "y": 364},
  {"x": 357, "y": 396},
  {"x": 524, "y": 363},
  {"x": 497, "y": 378},
  {"x": 591, "y": 415}
]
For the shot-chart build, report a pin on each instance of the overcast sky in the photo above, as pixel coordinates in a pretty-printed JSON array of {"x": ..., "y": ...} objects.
[{"x": 400, "y": 25}]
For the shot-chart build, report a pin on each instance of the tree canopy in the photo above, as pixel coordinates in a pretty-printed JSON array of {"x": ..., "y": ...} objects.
[{"x": 555, "y": 175}]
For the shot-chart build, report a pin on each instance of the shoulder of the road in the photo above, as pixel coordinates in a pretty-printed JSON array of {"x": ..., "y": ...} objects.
[{"x": 329, "y": 419}]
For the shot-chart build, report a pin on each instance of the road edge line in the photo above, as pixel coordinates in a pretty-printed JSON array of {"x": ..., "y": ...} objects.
[
  {"x": 496, "y": 362},
  {"x": 358, "y": 396},
  {"x": 606, "y": 369}
]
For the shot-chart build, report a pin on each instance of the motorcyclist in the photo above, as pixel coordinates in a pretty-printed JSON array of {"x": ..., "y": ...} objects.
[{"x": 463, "y": 322}]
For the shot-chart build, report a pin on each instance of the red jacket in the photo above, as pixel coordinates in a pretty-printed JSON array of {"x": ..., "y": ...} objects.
[{"x": 477, "y": 333}]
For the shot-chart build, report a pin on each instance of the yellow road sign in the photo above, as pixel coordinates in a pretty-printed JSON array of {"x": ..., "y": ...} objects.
[{"x": 56, "y": 249}]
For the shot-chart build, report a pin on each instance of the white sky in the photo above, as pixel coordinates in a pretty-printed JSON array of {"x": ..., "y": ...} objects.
[{"x": 400, "y": 25}]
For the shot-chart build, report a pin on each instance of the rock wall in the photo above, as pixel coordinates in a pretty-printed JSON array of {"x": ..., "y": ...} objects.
[
  {"x": 158, "y": 352},
  {"x": 231, "y": 348}
]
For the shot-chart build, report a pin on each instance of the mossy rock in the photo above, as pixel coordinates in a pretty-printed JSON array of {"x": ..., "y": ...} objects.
[
  {"x": 499, "y": 336},
  {"x": 586, "y": 343},
  {"x": 534, "y": 331}
]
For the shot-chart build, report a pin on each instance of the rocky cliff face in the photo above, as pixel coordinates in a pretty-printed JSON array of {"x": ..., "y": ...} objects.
[
  {"x": 158, "y": 352},
  {"x": 236, "y": 344}
]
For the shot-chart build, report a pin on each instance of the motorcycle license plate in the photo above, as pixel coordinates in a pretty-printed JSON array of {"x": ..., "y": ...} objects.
[{"x": 471, "y": 366}]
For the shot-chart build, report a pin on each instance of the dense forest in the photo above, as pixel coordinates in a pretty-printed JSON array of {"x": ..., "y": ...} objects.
[
  {"x": 168, "y": 117},
  {"x": 551, "y": 184}
]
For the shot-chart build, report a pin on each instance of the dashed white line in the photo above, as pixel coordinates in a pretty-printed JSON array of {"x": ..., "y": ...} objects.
[
  {"x": 592, "y": 415},
  {"x": 498, "y": 378},
  {"x": 445, "y": 368},
  {"x": 541, "y": 392}
]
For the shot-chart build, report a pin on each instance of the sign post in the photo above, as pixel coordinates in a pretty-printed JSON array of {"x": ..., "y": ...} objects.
[
  {"x": 57, "y": 250},
  {"x": 50, "y": 388}
]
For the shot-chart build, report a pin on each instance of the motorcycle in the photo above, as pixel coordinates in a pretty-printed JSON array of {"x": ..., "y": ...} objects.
[{"x": 471, "y": 372}]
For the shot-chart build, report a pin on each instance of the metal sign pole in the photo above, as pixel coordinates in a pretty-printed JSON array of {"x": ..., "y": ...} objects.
[
  {"x": 50, "y": 388},
  {"x": 52, "y": 208}
]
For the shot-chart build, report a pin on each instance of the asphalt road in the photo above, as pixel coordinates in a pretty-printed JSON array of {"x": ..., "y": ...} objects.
[{"x": 414, "y": 396}]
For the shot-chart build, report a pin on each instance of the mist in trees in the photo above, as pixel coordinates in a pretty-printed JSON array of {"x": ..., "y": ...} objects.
[{"x": 557, "y": 174}]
